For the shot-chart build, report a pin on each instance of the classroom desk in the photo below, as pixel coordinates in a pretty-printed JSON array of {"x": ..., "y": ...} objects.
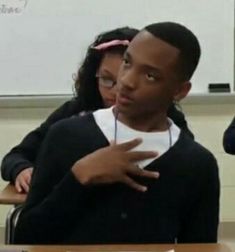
[
  {"x": 122, "y": 248},
  {"x": 9, "y": 196}
]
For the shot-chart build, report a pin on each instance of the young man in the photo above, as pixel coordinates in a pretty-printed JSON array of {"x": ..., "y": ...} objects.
[{"x": 86, "y": 190}]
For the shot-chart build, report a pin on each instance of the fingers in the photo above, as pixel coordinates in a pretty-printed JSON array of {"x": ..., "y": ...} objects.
[
  {"x": 141, "y": 155},
  {"x": 23, "y": 180},
  {"x": 129, "y": 145},
  {"x": 18, "y": 186},
  {"x": 135, "y": 170},
  {"x": 22, "y": 185},
  {"x": 28, "y": 176},
  {"x": 134, "y": 155},
  {"x": 131, "y": 183},
  {"x": 25, "y": 186}
]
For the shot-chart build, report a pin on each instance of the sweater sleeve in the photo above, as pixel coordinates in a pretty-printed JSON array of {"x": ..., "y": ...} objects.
[
  {"x": 200, "y": 224},
  {"x": 229, "y": 138},
  {"x": 55, "y": 196},
  {"x": 24, "y": 155}
]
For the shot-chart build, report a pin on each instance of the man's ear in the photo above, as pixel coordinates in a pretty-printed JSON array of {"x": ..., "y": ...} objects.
[{"x": 182, "y": 91}]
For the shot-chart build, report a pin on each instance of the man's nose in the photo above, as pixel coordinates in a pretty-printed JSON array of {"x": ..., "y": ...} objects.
[{"x": 129, "y": 79}]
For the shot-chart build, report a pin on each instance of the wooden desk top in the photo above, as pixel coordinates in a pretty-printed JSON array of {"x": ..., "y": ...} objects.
[
  {"x": 9, "y": 196},
  {"x": 122, "y": 248}
]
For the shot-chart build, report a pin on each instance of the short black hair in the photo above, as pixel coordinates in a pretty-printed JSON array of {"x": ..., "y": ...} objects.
[{"x": 183, "y": 39}]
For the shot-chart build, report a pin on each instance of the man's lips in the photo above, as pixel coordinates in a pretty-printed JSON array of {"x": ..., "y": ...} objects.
[{"x": 124, "y": 98}]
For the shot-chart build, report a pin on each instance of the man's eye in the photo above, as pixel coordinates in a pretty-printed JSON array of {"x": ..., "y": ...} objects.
[{"x": 151, "y": 77}]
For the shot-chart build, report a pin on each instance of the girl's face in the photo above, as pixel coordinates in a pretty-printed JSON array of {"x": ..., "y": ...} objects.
[{"x": 107, "y": 77}]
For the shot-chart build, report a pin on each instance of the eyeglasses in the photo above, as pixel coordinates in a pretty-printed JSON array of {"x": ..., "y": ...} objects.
[{"x": 107, "y": 82}]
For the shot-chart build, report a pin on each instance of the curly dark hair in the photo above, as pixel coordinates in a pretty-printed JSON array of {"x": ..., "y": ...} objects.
[{"x": 86, "y": 87}]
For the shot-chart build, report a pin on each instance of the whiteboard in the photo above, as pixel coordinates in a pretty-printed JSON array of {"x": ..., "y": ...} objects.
[{"x": 42, "y": 42}]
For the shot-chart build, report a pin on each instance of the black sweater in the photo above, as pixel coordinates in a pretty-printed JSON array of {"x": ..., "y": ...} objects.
[
  {"x": 182, "y": 205},
  {"x": 24, "y": 154},
  {"x": 229, "y": 138}
]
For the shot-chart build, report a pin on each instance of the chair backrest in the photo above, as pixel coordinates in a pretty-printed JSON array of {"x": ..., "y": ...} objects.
[{"x": 11, "y": 221}]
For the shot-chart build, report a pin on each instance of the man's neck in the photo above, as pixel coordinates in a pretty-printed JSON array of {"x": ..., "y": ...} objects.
[{"x": 146, "y": 123}]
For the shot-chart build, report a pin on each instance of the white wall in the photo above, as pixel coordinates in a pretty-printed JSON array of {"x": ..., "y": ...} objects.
[
  {"x": 41, "y": 47},
  {"x": 206, "y": 121}
]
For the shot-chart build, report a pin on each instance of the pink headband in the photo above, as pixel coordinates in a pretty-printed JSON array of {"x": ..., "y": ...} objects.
[{"x": 111, "y": 43}]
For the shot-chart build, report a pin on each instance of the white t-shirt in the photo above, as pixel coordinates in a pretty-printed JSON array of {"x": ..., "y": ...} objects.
[{"x": 151, "y": 141}]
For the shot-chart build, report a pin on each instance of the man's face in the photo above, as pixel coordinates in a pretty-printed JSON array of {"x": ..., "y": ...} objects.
[{"x": 148, "y": 80}]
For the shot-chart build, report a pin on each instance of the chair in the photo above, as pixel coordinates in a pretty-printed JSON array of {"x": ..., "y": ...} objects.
[{"x": 11, "y": 221}]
